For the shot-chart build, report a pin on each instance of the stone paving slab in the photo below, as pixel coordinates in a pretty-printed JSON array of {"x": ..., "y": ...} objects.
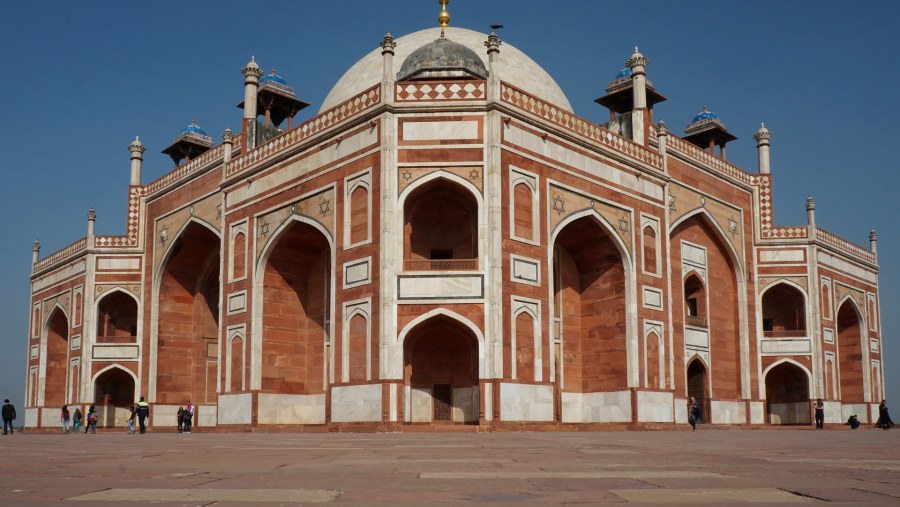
[{"x": 652, "y": 468}]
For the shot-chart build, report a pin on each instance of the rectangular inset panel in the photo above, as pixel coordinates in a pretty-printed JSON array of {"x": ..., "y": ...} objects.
[
  {"x": 693, "y": 254},
  {"x": 696, "y": 337},
  {"x": 237, "y": 302},
  {"x": 792, "y": 255},
  {"x": 786, "y": 346},
  {"x": 356, "y": 403},
  {"x": 440, "y": 286},
  {"x": 525, "y": 270},
  {"x": 828, "y": 335},
  {"x": 76, "y": 342},
  {"x": 115, "y": 352},
  {"x": 357, "y": 272},
  {"x": 34, "y": 351},
  {"x": 653, "y": 298},
  {"x": 235, "y": 408},
  {"x": 873, "y": 345},
  {"x": 526, "y": 402},
  {"x": 118, "y": 263},
  {"x": 439, "y": 130}
]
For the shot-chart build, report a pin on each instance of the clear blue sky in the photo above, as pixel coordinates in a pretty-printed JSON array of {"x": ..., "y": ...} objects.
[{"x": 81, "y": 79}]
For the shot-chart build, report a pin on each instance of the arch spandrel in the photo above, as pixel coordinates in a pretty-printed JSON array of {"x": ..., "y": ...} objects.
[
  {"x": 765, "y": 282},
  {"x": 318, "y": 207},
  {"x": 683, "y": 201},
  {"x": 133, "y": 289},
  {"x": 206, "y": 211},
  {"x": 63, "y": 300},
  {"x": 841, "y": 292},
  {"x": 409, "y": 175},
  {"x": 565, "y": 203}
]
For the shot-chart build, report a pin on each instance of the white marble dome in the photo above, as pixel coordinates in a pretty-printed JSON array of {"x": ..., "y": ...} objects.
[{"x": 513, "y": 67}]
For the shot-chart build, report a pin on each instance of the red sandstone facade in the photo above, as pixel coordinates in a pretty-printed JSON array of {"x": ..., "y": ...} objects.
[{"x": 453, "y": 247}]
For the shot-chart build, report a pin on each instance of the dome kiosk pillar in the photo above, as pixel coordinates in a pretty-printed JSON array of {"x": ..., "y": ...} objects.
[{"x": 762, "y": 137}]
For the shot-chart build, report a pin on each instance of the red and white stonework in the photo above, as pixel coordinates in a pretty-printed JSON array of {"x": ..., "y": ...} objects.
[{"x": 455, "y": 246}]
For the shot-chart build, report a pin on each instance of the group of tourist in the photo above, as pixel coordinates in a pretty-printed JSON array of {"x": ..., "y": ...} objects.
[
  {"x": 78, "y": 420},
  {"x": 884, "y": 418},
  {"x": 139, "y": 412}
]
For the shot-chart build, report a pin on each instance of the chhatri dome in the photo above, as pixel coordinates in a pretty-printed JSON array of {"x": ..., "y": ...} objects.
[{"x": 513, "y": 66}]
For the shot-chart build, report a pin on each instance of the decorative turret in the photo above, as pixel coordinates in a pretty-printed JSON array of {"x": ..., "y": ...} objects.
[
  {"x": 227, "y": 145},
  {"x": 387, "y": 67},
  {"x": 631, "y": 96},
  {"x": 707, "y": 131},
  {"x": 137, "y": 149},
  {"x": 493, "y": 49},
  {"x": 277, "y": 101},
  {"x": 191, "y": 142},
  {"x": 35, "y": 251},
  {"x": 762, "y": 137},
  {"x": 873, "y": 242},
  {"x": 662, "y": 134},
  {"x": 811, "y": 211},
  {"x": 92, "y": 217},
  {"x": 251, "y": 72}
]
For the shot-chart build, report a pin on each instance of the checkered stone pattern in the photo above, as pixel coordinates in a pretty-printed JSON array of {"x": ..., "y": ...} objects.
[
  {"x": 320, "y": 123},
  {"x": 459, "y": 90},
  {"x": 580, "y": 126},
  {"x": 130, "y": 239}
]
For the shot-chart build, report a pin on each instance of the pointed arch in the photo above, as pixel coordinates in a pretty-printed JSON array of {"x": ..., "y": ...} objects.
[
  {"x": 259, "y": 275},
  {"x": 136, "y": 322},
  {"x": 401, "y": 337},
  {"x": 852, "y": 348},
  {"x": 788, "y": 392},
  {"x": 730, "y": 382},
  {"x": 55, "y": 345},
  {"x": 190, "y": 363},
  {"x": 113, "y": 392},
  {"x": 632, "y": 374}
]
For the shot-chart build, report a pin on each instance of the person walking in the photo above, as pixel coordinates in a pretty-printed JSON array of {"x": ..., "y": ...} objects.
[
  {"x": 77, "y": 419},
  {"x": 693, "y": 413},
  {"x": 91, "y": 420},
  {"x": 9, "y": 415},
  {"x": 884, "y": 418},
  {"x": 143, "y": 412},
  {"x": 131, "y": 417},
  {"x": 820, "y": 414},
  {"x": 188, "y": 416},
  {"x": 64, "y": 418},
  {"x": 180, "y": 415}
]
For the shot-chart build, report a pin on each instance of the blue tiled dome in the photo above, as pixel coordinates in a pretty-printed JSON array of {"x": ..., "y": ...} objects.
[
  {"x": 625, "y": 72},
  {"x": 193, "y": 128},
  {"x": 272, "y": 78},
  {"x": 706, "y": 114}
]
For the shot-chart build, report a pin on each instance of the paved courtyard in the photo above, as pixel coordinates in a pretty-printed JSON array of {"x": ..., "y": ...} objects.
[{"x": 710, "y": 466}]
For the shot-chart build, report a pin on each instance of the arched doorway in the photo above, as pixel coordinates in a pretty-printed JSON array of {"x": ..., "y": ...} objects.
[
  {"x": 113, "y": 396},
  {"x": 440, "y": 370},
  {"x": 589, "y": 306},
  {"x": 697, "y": 387},
  {"x": 787, "y": 394},
  {"x": 850, "y": 357},
  {"x": 57, "y": 359},
  {"x": 187, "y": 351},
  {"x": 296, "y": 310}
]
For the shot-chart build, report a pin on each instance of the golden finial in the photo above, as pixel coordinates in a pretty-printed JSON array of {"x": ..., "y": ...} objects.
[{"x": 444, "y": 16}]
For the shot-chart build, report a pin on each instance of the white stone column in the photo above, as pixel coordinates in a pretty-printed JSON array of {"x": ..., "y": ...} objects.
[
  {"x": 387, "y": 74},
  {"x": 638, "y": 65},
  {"x": 252, "y": 73},
  {"x": 137, "y": 149},
  {"x": 227, "y": 146},
  {"x": 762, "y": 137}
]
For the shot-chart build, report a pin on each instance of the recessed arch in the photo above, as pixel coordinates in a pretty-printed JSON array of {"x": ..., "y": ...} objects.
[
  {"x": 788, "y": 392},
  {"x": 401, "y": 337},
  {"x": 114, "y": 391},
  {"x": 704, "y": 214},
  {"x": 56, "y": 347},
  {"x": 783, "y": 304},
  {"x": 110, "y": 322},
  {"x": 851, "y": 345},
  {"x": 582, "y": 279}
]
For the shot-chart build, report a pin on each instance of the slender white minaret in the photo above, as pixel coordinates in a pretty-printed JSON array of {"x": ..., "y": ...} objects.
[
  {"x": 493, "y": 49},
  {"x": 387, "y": 65},
  {"x": 252, "y": 73},
  {"x": 762, "y": 137},
  {"x": 137, "y": 149},
  {"x": 92, "y": 217},
  {"x": 227, "y": 145},
  {"x": 638, "y": 65},
  {"x": 810, "y": 211},
  {"x": 35, "y": 252},
  {"x": 873, "y": 242}
]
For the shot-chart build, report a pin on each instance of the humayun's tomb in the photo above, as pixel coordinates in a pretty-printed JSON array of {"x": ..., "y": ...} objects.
[{"x": 445, "y": 242}]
